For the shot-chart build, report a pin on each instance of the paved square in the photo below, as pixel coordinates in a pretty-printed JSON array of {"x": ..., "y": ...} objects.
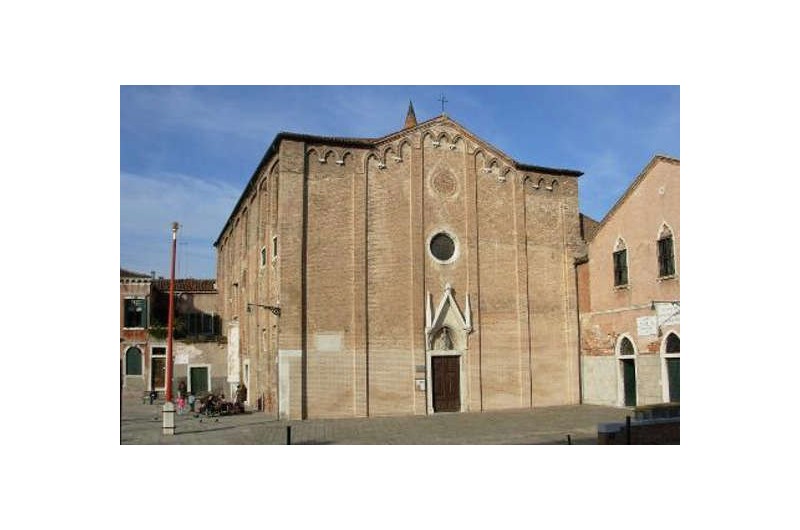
[{"x": 141, "y": 424}]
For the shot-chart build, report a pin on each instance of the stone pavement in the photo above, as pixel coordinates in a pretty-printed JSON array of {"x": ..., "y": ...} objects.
[{"x": 141, "y": 424}]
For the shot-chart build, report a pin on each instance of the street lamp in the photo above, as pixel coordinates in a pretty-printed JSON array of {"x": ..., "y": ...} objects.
[{"x": 274, "y": 309}]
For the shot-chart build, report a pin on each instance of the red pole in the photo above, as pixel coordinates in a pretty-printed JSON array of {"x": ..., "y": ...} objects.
[{"x": 171, "y": 311}]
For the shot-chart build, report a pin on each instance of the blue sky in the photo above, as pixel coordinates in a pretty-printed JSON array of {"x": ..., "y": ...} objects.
[{"x": 186, "y": 152}]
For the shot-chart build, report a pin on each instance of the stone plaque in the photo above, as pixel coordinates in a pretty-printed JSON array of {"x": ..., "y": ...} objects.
[
  {"x": 328, "y": 342},
  {"x": 646, "y": 326}
]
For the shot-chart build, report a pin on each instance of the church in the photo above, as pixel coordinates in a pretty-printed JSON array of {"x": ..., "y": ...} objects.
[{"x": 417, "y": 273}]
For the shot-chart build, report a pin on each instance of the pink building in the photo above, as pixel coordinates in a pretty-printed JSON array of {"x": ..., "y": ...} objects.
[{"x": 629, "y": 294}]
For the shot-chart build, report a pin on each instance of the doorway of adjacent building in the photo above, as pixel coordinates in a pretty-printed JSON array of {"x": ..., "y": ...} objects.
[
  {"x": 158, "y": 373},
  {"x": 629, "y": 382},
  {"x": 446, "y": 383},
  {"x": 158, "y": 368},
  {"x": 198, "y": 380}
]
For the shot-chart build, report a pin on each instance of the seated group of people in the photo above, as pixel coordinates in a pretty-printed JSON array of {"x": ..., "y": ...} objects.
[{"x": 216, "y": 404}]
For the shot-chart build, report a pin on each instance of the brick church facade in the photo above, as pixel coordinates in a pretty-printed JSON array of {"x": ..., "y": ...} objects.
[{"x": 421, "y": 272}]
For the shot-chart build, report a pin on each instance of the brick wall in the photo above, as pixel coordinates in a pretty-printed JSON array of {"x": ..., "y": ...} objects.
[{"x": 354, "y": 271}]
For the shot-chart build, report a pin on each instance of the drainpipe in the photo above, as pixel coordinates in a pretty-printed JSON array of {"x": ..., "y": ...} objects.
[{"x": 578, "y": 317}]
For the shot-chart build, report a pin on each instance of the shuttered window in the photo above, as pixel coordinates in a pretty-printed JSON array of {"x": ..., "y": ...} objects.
[
  {"x": 666, "y": 259},
  {"x": 621, "y": 267},
  {"x": 135, "y": 313}
]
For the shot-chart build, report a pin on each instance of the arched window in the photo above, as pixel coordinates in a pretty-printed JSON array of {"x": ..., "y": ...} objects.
[
  {"x": 620, "y": 263},
  {"x": 673, "y": 343},
  {"x": 626, "y": 347},
  {"x": 133, "y": 361},
  {"x": 666, "y": 256}
]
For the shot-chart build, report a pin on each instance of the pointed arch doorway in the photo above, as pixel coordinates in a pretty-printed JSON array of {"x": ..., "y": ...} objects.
[{"x": 445, "y": 374}]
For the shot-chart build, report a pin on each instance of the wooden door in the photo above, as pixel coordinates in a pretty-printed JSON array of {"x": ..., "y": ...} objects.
[
  {"x": 158, "y": 373},
  {"x": 198, "y": 379},
  {"x": 446, "y": 383}
]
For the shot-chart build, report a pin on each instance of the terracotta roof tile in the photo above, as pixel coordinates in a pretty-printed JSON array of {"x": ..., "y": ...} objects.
[{"x": 186, "y": 285}]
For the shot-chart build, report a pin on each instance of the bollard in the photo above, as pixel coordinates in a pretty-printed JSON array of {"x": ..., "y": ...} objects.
[
  {"x": 169, "y": 418},
  {"x": 288, "y": 435},
  {"x": 569, "y": 440}
]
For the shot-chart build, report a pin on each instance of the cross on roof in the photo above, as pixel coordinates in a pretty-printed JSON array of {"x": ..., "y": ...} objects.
[{"x": 443, "y": 100}]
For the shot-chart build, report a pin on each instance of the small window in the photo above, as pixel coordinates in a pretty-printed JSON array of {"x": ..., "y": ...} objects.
[
  {"x": 135, "y": 312},
  {"x": 442, "y": 246},
  {"x": 666, "y": 258},
  {"x": 274, "y": 247},
  {"x": 133, "y": 361},
  {"x": 620, "y": 267},
  {"x": 263, "y": 256}
]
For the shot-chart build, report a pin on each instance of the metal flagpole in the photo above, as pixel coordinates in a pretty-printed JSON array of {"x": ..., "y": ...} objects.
[{"x": 169, "y": 407}]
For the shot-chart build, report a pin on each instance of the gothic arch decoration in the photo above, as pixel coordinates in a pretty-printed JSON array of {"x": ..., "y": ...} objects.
[
  {"x": 454, "y": 143},
  {"x": 346, "y": 157},
  {"x": 433, "y": 137},
  {"x": 619, "y": 244},
  {"x": 664, "y": 231},
  {"x": 403, "y": 150},
  {"x": 376, "y": 157},
  {"x": 553, "y": 186},
  {"x": 435, "y": 320},
  {"x": 329, "y": 155},
  {"x": 626, "y": 347},
  {"x": 313, "y": 154},
  {"x": 505, "y": 174},
  {"x": 388, "y": 154}
]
